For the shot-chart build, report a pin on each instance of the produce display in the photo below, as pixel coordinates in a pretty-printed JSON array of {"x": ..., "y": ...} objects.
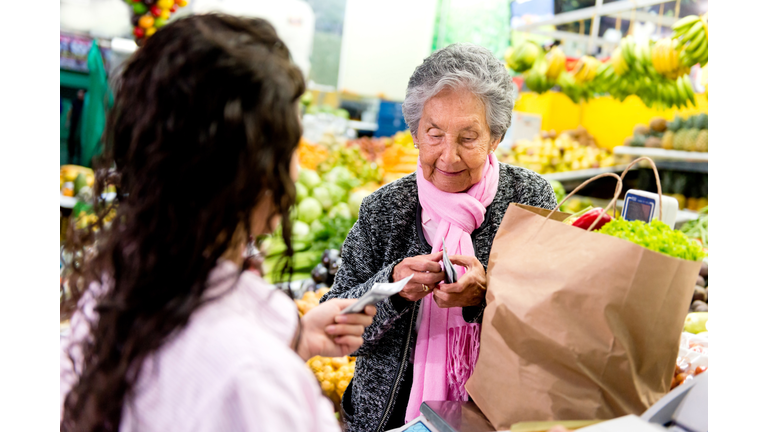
[
  {"x": 690, "y": 134},
  {"x": 396, "y": 155},
  {"x": 150, "y": 15},
  {"x": 400, "y": 157},
  {"x": 692, "y": 34},
  {"x": 656, "y": 236},
  {"x": 550, "y": 153},
  {"x": 327, "y": 109},
  {"x": 698, "y": 229},
  {"x": 700, "y": 300},
  {"x": 76, "y": 180},
  {"x": 333, "y": 373},
  {"x": 333, "y": 180},
  {"x": 690, "y": 189},
  {"x": 657, "y": 72},
  {"x": 520, "y": 58},
  {"x": 326, "y": 210}
]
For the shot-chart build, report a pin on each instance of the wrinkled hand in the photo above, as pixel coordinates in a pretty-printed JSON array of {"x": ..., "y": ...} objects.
[
  {"x": 328, "y": 333},
  {"x": 469, "y": 290},
  {"x": 426, "y": 270}
]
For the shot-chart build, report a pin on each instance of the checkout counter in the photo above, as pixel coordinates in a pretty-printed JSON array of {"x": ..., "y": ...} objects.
[{"x": 684, "y": 409}]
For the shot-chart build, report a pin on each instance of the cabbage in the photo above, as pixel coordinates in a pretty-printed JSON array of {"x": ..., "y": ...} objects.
[
  {"x": 356, "y": 200},
  {"x": 341, "y": 176},
  {"x": 301, "y": 192},
  {"x": 309, "y": 209},
  {"x": 309, "y": 178},
  {"x": 323, "y": 195},
  {"x": 300, "y": 230},
  {"x": 338, "y": 193},
  {"x": 340, "y": 210},
  {"x": 316, "y": 226}
]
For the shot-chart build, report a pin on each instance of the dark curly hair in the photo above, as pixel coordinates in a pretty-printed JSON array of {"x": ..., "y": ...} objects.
[{"x": 204, "y": 127}]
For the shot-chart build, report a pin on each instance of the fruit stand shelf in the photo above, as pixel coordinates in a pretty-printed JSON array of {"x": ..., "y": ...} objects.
[
  {"x": 662, "y": 154},
  {"x": 583, "y": 174}
]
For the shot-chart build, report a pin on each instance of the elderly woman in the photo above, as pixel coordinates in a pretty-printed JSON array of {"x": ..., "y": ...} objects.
[{"x": 423, "y": 343}]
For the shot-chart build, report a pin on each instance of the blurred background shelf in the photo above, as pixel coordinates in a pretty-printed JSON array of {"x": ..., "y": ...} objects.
[
  {"x": 583, "y": 174},
  {"x": 662, "y": 154}
]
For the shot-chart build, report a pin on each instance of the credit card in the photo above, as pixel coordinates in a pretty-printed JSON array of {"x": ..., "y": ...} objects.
[
  {"x": 377, "y": 293},
  {"x": 450, "y": 271}
]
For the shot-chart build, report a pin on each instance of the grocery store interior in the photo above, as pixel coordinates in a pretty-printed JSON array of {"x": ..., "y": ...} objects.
[{"x": 602, "y": 325}]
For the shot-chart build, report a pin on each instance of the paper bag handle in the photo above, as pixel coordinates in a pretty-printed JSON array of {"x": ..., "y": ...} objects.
[
  {"x": 581, "y": 186},
  {"x": 655, "y": 172}
]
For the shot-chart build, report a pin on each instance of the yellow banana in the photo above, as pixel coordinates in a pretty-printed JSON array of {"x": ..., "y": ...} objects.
[{"x": 617, "y": 60}]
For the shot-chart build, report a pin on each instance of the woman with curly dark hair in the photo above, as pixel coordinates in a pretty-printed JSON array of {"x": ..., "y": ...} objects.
[{"x": 167, "y": 331}]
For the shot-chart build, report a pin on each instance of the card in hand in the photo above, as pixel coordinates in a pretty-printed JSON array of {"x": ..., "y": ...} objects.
[
  {"x": 450, "y": 271},
  {"x": 377, "y": 293}
]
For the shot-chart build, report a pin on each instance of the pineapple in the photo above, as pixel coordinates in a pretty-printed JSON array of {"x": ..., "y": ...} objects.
[
  {"x": 667, "y": 140},
  {"x": 679, "y": 141},
  {"x": 702, "y": 142},
  {"x": 689, "y": 140}
]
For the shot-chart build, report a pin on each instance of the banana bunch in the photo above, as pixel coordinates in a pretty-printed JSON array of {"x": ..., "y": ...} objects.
[
  {"x": 644, "y": 61},
  {"x": 677, "y": 93},
  {"x": 665, "y": 57},
  {"x": 522, "y": 57},
  {"x": 586, "y": 69},
  {"x": 536, "y": 78},
  {"x": 575, "y": 90},
  {"x": 607, "y": 79},
  {"x": 556, "y": 60},
  {"x": 620, "y": 67},
  {"x": 627, "y": 46},
  {"x": 692, "y": 32}
]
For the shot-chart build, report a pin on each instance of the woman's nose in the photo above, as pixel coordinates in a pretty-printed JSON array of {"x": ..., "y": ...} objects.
[{"x": 450, "y": 153}]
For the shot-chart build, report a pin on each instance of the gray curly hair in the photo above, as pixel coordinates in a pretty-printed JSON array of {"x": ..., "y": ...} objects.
[{"x": 462, "y": 65}]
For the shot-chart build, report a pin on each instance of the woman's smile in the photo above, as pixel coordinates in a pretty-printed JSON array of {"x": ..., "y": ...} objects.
[{"x": 449, "y": 173}]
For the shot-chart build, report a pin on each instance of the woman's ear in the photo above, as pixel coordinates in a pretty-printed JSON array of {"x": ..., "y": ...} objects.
[{"x": 495, "y": 144}]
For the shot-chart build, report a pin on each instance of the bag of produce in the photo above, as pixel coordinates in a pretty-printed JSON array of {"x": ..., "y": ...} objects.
[{"x": 579, "y": 325}]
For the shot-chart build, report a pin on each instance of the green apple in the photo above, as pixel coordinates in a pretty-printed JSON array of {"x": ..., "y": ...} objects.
[{"x": 696, "y": 322}]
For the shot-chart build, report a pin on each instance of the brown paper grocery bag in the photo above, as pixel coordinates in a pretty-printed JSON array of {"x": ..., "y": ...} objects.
[{"x": 578, "y": 325}]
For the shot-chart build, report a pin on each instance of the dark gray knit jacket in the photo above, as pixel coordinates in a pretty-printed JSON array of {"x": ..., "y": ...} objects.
[{"x": 388, "y": 231}]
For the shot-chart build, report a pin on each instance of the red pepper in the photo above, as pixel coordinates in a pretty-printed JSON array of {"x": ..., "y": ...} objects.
[{"x": 586, "y": 220}]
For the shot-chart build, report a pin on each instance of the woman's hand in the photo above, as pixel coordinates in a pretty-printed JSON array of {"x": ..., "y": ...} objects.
[
  {"x": 328, "y": 333},
  {"x": 426, "y": 271},
  {"x": 469, "y": 290}
]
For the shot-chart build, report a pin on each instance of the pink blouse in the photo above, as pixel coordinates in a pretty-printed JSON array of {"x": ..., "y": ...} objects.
[{"x": 230, "y": 369}]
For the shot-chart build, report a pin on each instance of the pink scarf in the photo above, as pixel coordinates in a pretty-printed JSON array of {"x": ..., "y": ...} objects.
[{"x": 447, "y": 346}]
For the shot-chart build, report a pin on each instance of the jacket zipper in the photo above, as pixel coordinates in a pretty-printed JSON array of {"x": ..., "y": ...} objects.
[{"x": 399, "y": 374}]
